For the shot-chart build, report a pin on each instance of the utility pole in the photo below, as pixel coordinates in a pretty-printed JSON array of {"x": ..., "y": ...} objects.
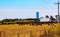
[{"x": 58, "y": 9}]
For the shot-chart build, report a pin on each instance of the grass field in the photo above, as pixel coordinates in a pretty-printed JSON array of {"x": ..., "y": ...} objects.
[{"x": 52, "y": 30}]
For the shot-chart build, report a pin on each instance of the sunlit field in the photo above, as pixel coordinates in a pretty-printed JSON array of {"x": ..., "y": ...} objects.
[{"x": 52, "y": 30}]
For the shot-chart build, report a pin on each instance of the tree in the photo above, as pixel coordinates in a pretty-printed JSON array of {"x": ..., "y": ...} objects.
[
  {"x": 47, "y": 16},
  {"x": 20, "y": 19},
  {"x": 56, "y": 15},
  {"x": 52, "y": 18},
  {"x": 6, "y": 20}
]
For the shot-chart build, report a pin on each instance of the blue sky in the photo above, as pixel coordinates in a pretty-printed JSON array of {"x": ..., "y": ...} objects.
[{"x": 27, "y": 8}]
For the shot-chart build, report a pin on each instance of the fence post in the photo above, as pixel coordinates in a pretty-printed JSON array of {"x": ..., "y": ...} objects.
[
  {"x": 18, "y": 34},
  {"x": 30, "y": 33}
]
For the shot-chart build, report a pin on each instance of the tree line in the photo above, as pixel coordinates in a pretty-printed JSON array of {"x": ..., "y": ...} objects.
[{"x": 13, "y": 20}]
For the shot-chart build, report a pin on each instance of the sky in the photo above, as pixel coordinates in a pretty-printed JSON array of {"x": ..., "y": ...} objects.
[{"x": 27, "y": 8}]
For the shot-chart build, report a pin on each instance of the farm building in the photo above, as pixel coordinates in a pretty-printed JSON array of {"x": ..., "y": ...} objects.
[
  {"x": 58, "y": 18},
  {"x": 44, "y": 19}
]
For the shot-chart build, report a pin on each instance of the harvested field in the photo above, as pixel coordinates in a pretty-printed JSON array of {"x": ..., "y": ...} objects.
[{"x": 30, "y": 31}]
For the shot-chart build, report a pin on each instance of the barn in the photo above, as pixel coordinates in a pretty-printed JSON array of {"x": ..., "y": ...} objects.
[{"x": 44, "y": 19}]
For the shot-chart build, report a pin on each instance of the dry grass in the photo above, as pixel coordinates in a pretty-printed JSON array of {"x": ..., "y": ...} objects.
[{"x": 31, "y": 31}]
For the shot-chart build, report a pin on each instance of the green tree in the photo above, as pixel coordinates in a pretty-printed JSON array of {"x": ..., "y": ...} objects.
[
  {"x": 52, "y": 18},
  {"x": 47, "y": 16}
]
